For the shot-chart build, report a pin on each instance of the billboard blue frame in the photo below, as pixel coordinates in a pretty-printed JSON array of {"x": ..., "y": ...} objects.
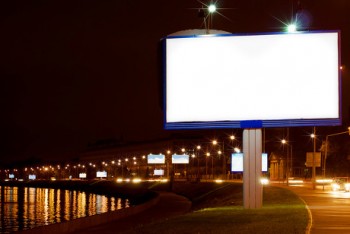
[{"x": 243, "y": 123}]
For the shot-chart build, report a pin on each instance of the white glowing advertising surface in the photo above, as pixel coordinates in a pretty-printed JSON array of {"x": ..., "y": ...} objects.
[
  {"x": 264, "y": 162},
  {"x": 101, "y": 174},
  {"x": 158, "y": 172},
  {"x": 237, "y": 162},
  {"x": 32, "y": 177},
  {"x": 156, "y": 159},
  {"x": 252, "y": 81},
  {"x": 83, "y": 175},
  {"x": 180, "y": 159}
]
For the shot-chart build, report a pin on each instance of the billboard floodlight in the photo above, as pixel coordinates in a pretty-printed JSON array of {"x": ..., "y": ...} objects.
[
  {"x": 292, "y": 28},
  {"x": 211, "y": 8}
]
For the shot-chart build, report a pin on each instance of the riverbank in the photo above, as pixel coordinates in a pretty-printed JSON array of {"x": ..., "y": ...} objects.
[{"x": 203, "y": 207}]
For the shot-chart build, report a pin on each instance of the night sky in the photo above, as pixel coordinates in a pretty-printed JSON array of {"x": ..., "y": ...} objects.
[{"x": 78, "y": 71}]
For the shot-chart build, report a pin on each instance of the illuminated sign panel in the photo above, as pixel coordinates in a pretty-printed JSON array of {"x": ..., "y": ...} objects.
[
  {"x": 32, "y": 177},
  {"x": 180, "y": 159},
  {"x": 264, "y": 162},
  {"x": 156, "y": 159},
  {"x": 101, "y": 174},
  {"x": 83, "y": 175},
  {"x": 244, "y": 81},
  {"x": 237, "y": 162},
  {"x": 158, "y": 172}
]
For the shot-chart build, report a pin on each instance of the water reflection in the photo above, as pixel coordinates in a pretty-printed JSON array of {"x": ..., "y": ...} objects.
[{"x": 24, "y": 208}]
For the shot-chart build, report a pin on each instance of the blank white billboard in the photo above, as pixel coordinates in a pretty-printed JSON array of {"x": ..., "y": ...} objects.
[
  {"x": 264, "y": 162},
  {"x": 156, "y": 159},
  {"x": 158, "y": 172},
  {"x": 180, "y": 159},
  {"x": 265, "y": 80},
  {"x": 237, "y": 162},
  {"x": 101, "y": 174}
]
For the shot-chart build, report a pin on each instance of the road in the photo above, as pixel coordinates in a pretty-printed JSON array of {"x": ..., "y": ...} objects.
[{"x": 330, "y": 211}]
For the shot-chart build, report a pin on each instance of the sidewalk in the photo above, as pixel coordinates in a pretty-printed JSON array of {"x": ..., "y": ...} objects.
[
  {"x": 169, "y": 205},
  {"x": 330, "y": 211}
]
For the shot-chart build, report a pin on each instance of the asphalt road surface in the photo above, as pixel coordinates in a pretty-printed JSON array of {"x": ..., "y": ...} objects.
[{"x": 330, "y": 211}]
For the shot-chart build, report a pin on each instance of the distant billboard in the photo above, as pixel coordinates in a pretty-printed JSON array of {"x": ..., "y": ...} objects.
[
  {"x": 245, "y": 81},
  {"x": 264, "y": 162},
  {"x": 11, "y": 176},
  {"x": 158, "y": 172},
  {"x": 180, "y": 159},
  {"x": 101, "y": 174},
  {"x": 32, "y": 177},
  {"x": 83, "y": 175},
  {"x": 156, "y": 159},
  {"x": 237, "y": 162}
]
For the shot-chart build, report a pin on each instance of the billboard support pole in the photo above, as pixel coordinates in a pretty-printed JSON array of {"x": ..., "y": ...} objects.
[{"x": 252, "y": 149}]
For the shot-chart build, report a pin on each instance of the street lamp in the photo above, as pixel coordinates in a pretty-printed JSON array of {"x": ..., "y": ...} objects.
[
  {"x": 313, "y": 136},
  {"x": 289, "y": 164},
  {"x": 206, "y": 164},
  {"x": 211, "y": 11},
  {"x": 198, "y": 168},
  {"x": 215, "y": 142},
  {"x": 168, "y": 163}
]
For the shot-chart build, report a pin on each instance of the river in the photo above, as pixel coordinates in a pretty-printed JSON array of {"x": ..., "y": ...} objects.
[{"x": 22, "y": 208}]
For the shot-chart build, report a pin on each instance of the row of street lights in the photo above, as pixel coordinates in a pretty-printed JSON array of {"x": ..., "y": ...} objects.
[{"x": 207, "y": 151}]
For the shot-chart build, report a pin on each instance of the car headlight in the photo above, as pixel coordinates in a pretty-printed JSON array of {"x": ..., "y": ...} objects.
[
  {"x": 335, "y": 186},
  {"x": 347, "y": 187},
  {"x": 264, "y": 181}
]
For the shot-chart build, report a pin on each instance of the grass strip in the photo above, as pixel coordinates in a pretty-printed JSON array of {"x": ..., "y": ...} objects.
[{"x": 282, "y": 212}]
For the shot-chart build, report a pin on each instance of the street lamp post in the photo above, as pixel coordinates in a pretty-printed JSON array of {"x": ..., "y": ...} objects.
[
  {"x": 198, "y": 168},
  {"x": 215, "y": 142},
  {"x": 284, "y": 142},
  {"x": 313, "y": 135},
  {"x": 206, "y": 164},
  {"x": 167, "y": 163}
]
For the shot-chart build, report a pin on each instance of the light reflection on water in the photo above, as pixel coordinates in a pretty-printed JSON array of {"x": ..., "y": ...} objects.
[{"x": 24, "y": 208}]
